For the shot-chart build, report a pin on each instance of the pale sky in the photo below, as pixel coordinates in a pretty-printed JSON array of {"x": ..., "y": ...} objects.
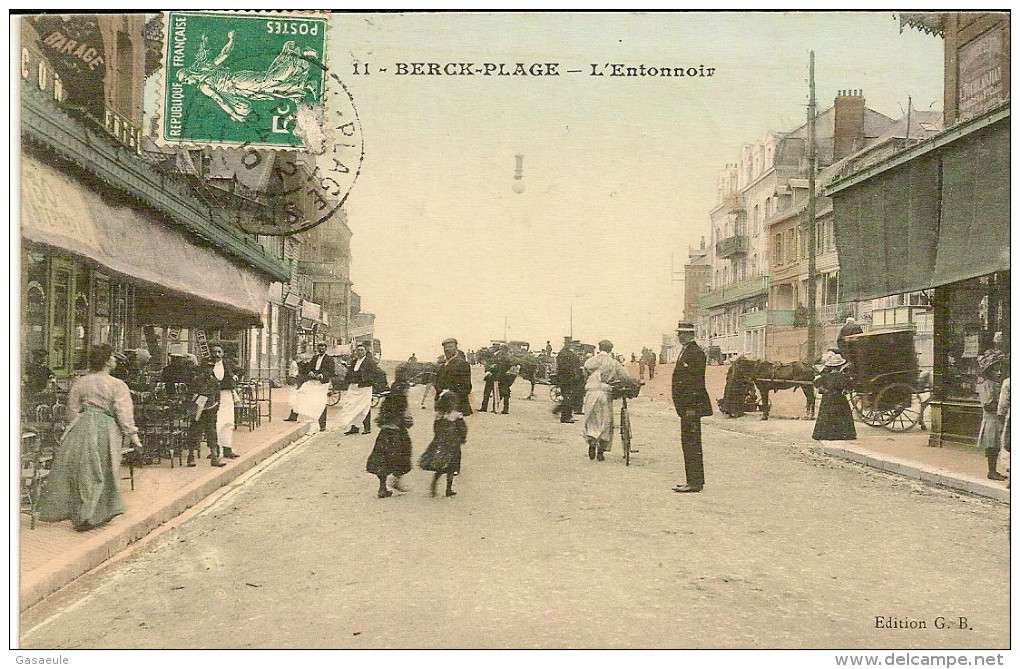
[{"x": 619, "y": 173}]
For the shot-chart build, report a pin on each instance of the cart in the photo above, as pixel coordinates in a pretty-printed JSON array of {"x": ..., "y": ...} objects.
[{"x": 887, "y": 389}]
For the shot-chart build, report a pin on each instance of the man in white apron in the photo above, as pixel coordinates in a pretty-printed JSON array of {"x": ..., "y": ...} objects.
[
  {"x": 356, "y": 402},
  {"x": 227, "y": 375}
]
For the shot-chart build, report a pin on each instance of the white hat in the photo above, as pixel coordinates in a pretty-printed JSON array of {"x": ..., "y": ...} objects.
[{"x": 833, "y": 359}]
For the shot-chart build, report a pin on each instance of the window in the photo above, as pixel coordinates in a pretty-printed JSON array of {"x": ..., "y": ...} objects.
[
  {"x": 777, "y": 248},
  {"x": 754, "y": 221}
]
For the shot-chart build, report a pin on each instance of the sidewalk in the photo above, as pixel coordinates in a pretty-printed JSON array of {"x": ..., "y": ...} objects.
[
  {"x": 905, "y": 453},
  {"x": 54, "y": 554}
]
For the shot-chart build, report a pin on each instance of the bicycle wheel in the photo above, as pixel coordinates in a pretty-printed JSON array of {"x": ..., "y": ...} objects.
[{"x": 625, "y": 434}]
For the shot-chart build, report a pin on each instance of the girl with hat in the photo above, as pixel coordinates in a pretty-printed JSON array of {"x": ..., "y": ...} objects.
[{"x": 835, "y": 419}]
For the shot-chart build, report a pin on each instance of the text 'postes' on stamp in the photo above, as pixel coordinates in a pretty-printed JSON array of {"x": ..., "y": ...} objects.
[{"x": 232, "y": 79}]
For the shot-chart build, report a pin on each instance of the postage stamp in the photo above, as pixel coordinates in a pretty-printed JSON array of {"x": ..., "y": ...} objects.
[{"x": 237, "y": 79}]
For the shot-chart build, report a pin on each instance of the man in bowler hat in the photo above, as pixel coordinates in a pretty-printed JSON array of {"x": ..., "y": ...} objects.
[{"x": 691, "y": 401}]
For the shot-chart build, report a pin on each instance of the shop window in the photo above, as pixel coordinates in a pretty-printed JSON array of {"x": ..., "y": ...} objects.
[
  {"x": 971, "y": 317},
  {"x": 113, "y": 314},
  {"x": 36, "y": 305}
]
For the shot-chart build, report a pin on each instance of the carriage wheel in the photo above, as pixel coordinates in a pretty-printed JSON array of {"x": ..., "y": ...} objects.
[
  {"x": 904, "y": 411},
  {"x": 864, "y": 409},
  {"x": 555, "y": 394},
  {"x": 332, "y": 397}
]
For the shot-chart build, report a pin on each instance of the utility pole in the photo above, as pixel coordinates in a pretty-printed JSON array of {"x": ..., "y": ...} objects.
[
  {"x": 811, "y": 247},
  {"x": 571, "y": 322}
]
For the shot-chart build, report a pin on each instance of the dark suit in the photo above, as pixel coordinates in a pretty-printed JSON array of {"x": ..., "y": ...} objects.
[
  {"x": 847, "y": 330},
  {"x": 454, "y": 374},
  {"x": 323, "y": 366},
  {"x": 205, "y": 385},
  {"x": 495, "y": 375},
  {"x": 570, "y": 379},
  {"x": 320, "y": 368},
  {"x": 362, "y": 378},
  {"x": 692, "y": 403}
]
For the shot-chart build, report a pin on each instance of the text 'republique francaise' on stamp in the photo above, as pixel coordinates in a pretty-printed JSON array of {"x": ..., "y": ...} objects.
[{"x": 257, "y": 85}]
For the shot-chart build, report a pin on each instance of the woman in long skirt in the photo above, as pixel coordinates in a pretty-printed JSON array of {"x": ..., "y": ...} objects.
[
  {"x": 392, "y": 453},
  {"x": 450, "y": 432},
  {"x": 835, "y": 421},
  {"x": 82, "y": 486}
]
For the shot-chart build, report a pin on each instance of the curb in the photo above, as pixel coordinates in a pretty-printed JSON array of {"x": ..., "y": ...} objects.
[
  {"x": 909, "y": 469},
  {"x": 108, "y": 544}
]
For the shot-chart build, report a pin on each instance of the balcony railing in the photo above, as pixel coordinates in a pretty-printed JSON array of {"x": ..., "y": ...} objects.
[
  {"x": 757, "y": 319},
  {"x": 733, "y": 246},
  {"x": 759, "y": 285},
  {"x": 834, "y": 313},
  {"x": 123, "y": 130}
]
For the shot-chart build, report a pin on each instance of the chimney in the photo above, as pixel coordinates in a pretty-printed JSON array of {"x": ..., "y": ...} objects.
[{"x": 848, "y": 130}]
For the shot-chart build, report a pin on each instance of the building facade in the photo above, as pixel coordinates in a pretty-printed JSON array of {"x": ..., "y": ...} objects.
[
  {"x": 933, "y": 218},
  {"x": 128, "y": 244},
  {"x": 758, "y": 229}
]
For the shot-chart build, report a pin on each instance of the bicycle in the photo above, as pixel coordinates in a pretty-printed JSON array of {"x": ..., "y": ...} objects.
[
  {"x": 625, "y": 432},
  {"x": 626, "y": 392}
]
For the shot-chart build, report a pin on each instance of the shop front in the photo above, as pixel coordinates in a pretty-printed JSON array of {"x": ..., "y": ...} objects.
[
  {"x": 936, "y": 216},
  {"x": 97, "y": 270}
]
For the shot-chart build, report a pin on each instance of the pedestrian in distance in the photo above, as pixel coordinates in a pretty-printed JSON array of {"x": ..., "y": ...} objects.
[
  {"x": 207, "y": 404},
  {"x": 495, "y": 372},
  {"x": 228, "y": 375},
  {"x": 835, "y": 420},
  {"x": 691, "y": 401},
  {"x": 391, "y": 455},
  {"x": 570, "y": 379},
  {"x": 649, "y": 356},
  {"x": 82, "y": 485},
  {"x": 449, "y": 431}
]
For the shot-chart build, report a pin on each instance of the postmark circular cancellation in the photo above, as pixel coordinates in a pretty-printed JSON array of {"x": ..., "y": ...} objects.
[{"x": 253, "y": 91}]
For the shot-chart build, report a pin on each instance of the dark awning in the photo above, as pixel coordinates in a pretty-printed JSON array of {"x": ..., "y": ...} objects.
[
  {"x": 886, "y": 231},
  {"x": 974, "y": 232},
  {"x": 937, "y": 218},
  {"x": 188, "y": 285}
]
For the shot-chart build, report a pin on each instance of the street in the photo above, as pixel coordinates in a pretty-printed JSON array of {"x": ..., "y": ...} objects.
[{"x": 542, "y": 548}]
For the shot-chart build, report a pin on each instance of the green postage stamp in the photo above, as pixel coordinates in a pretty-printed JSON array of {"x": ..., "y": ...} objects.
[{"x": 236, "y": 79}]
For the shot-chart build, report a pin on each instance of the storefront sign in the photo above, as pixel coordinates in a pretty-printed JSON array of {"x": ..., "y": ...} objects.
[
  {"x": 971, "y": 346},
  {"x": 52, "y": 205},
  {"x": 73, "y": 46},
  {"x": 979, "y": 86},
  {"x": 311, "y": 311}
]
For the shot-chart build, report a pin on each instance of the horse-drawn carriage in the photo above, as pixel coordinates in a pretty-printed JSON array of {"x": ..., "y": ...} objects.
[{"x": 887, "y": 390}]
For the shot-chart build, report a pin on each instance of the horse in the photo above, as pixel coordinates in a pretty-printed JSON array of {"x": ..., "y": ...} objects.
[
  {"x": 532, "y": 368},
  {"x": 772, "y": 376}
]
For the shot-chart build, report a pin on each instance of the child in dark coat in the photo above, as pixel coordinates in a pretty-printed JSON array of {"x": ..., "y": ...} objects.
[
  {"x": 392, "y": 452},
  {"x": 449, "y": 433}
]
